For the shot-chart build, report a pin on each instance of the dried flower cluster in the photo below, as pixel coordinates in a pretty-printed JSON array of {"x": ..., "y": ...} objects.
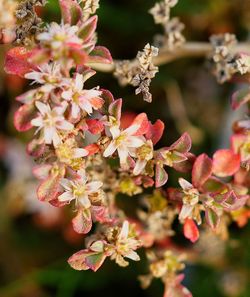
[
  {"x": 139, "y": 72},
  {"x": 28, "y": 23},
  {"x": 85, "y": 157},
  {"x": 225, "y": 64},
  {"x": 172, "y": 37}
]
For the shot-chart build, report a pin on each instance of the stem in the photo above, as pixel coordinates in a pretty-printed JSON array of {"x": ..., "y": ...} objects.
[{"x": 189, "y": 49}]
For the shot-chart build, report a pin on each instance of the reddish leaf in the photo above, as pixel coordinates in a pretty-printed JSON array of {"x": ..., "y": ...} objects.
[
  {"x": 142, "y": 122},
  {"x": 161, "y": 176},
  {"x": 187, "y": 165},
  {"x": 100, "y": 54},
  {"x": 39, "y": 56},
  {"x": 42, "y": 171},
  {"x": 16, "y": 61},
  {"x": 155, "y": 131},
  {"x": 23, "y": 117},
  {"x": 233, "y": 202},
  {"x": 95, "y": 126},
  {"x": 92, "y": 149},
  {"x": 202, "y": 170},
  {"x": 78, "y": 55},
  {"x": 115, "y": 109},
  {"x": 71, "y": 11},
  {"x": 49, "y": 188},
  {"x": 183, "y": 144},
  {"x": 240, "y": 97},
  {"x": 190, "y": 230},
  {"x": 87, "y": 29},
  {"x": 36, "y": 148},
  {"x": 85, "y": 259},
  {"x": 212, "y": 218},
  {"x": 213, "y": 184},
  {"x": 82, "y": 222},
  {"x": 225, "y": 163}
]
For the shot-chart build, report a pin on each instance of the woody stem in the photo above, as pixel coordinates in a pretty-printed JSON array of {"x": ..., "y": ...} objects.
[{"x": 189, "y": 49}]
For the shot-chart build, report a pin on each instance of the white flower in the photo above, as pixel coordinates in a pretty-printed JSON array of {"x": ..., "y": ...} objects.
[
  {"x": 125, "y": 246},
  {"x": 144, "y": 154},
  {"x": 124, "y": 142},
  {"x": 85, "y": 100},
  {"x": 49, "y": 75},
  {"x": 50, "y": 121},
  {"x": 58, "y": 36},
  {"x": 79, "y": 190},
  {"x": 190, "y": 199}
]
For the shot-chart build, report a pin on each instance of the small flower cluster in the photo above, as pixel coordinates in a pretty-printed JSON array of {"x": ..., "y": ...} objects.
[
  {"x": 172, "y": 37},
  {"x": 166, "y": 266},
  {"x": 139, "y": 72},
  {"x": 28, "y": 23},
  {"x": 85, "y": 156},
  {"x": 226, "y": 64}
]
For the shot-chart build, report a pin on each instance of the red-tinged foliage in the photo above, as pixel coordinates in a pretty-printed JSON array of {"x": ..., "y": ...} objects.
[
  {"x": 202, "y": 170},
  {"x": 35, "y": 148},
  {"x": 225, "y": 163},
  {"x": 190, "y": 230},
  {"x": 142, "y": 122},
  {"x": 240, "y": 97},
  {"x": 87, "y": 259},
  {"x": 115, "y": 108},
  {"x": 183, "y": 144},
  {"x": 100, "y": 54},
  {"x": 95, "y": 126},
  {"x": 23, "y": 117},
  {"x": 155, "y": 131},
  {"x": 48, "y": 189},
  {"x": 92, "y": 149},
  {"x": 127, "y": 118},
  {"x": 16, "y": 61},
  {"x": 161, "y": 176},
  {"x": 71, "y": 11},
  {"x": 87, "y": 29},
  {"x": 82, "y": 222}
]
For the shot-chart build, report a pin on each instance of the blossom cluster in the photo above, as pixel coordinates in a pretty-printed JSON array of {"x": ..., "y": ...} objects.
[{"x": 85, "y": 156}]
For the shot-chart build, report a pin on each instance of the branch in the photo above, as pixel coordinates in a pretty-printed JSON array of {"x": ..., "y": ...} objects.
[{"x": 189, "y": 49}]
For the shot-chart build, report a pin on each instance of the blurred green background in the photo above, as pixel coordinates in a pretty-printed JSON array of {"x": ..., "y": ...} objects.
[{"x": 36, "y": 240}]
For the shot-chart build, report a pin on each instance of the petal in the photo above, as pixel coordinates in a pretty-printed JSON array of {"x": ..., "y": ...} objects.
[
  {"x": 124, "y": 230},
  {"x": 186, "y": 211},
  {"x": 49, "y": 133},
  {"x": 86, "y": 106},
  {"x": 115, "y": 131},
  {"x": 56, "y": 139},
  {"x": 134, "y": 141},
  {"x": 79, "y": 82},
  {"x": 79, "y": 153},
  {"x": 66, "y": 196},
  {"x": 43, "y": 108},
  {"x": 67, "y": 95},
  {"x": 37, "y": 122},
  {"x": 132, "y": 255},
  {"x": 93, "y": 187},
  {"x": 64, "y": 125},
  {"x": 139, "y": 166},
  {"x": 111, "y": 148},
  {"x": 66, "y": 184},
  {"x": 84, "y": 201},
  {"x": 185, "y": 184},
  {"x": 123, "y": 154},
  {"x": 75, "y": 110}
]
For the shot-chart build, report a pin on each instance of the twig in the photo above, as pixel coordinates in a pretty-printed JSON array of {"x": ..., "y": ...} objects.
[{"x": 189, "y": 49}]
